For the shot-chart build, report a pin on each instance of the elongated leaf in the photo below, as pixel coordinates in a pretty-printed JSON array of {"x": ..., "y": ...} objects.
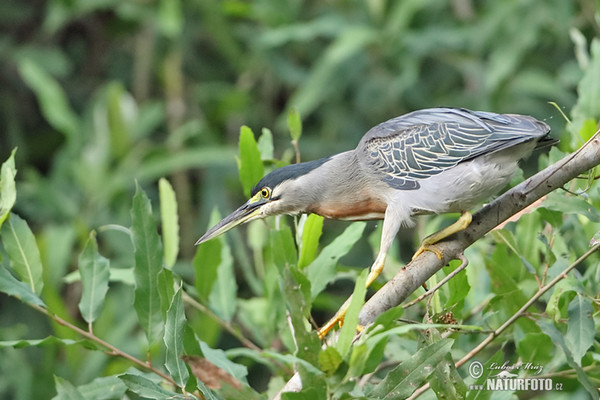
[
  {"x": 446, "y": 382},
  {"x": 580, "y": 331},
  {"x": 52, "y": 99},
  {"x": 169, "y": 220},
  {"x": 222, "y": 299},
  {"x": 13, "y": 287},
  {"x": 322, "y": 269},
  {"x": 412, "y": 373},
  {"x": 298, "y": 299},
  {"x": 351, "y": 320},
  {"x": 294, "y": 124},
  {"x": 559, "y": 341},
  {"x": 265, "y": 144},
  {"x": 23, "y": 252},
  {"x": 458, "y": 286},
  {"x": 219, "y": 358},
  {"x": 174, "y": 329},
  {"x": 8, "y": 190},
  {"x": 284, "y": 248},
  {"x": 207, "y": 260},
  {"x": 94, "y": 280},
  {"x": 588, "y": 103},
  {"x": 311, "y": 233},
  {"x": 148, "y": 263},
  {"x": 170, "y": 18},
  {"x": 536, "y": 346},
  {"x": 147, "y": 389},
  {"x": 65, "y": 390},
  {"x": 103, "y": 388},
  {"x": 329, "y": 360},
  {"x": 49, "y": 341},
  {"x": 250, "y": 163},
  {"x": 166, "y": 290}
]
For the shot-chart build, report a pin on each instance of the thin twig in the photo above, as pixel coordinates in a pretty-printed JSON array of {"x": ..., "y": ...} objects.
[
  {"x": 515, "y": 316},
  {"x": 224, "y": 324},
  {"x": 430, "y": 292},
  {"x": 113, "y": 350}
]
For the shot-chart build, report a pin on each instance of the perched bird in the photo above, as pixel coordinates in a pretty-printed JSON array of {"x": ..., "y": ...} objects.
[{"x": 431, "y": 161}]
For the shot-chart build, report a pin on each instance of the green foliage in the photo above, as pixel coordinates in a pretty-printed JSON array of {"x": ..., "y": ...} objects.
[
  {"x": 148, "y": 263},
  {"x": 105, "y": 298},
  {"x": 23, "y": 252},
  {"x": 94, "y": 270}
]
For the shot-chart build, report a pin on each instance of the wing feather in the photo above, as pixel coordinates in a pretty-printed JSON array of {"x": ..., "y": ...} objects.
[{"x": 416, "y": 146}]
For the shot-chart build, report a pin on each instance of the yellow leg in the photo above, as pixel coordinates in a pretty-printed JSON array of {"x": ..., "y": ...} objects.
[
  {"x": 427, "y": 243},
  {"x": 376, "y": 270}
]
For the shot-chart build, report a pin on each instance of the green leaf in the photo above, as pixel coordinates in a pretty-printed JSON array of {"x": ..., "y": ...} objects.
[
  {"x": 166, "y": 290},
  {"x": 170, "y": 18},
  {"x": 147, "y": 389},
  {"x": 219, "y": 358},
  {"x": 535, "y": 347},
  {"x": 174, "y": 330},
  {"x": 120, "y": 116},
  {"x": 23, "y": 252},
  {"x": 8, "y": 190},
  {"x": 103, "y": 388},
  {"x": 571, "y": 205},
  {"x": 588, "y": 102},
  {"x": 250, "y": 164},
  {"x": 306, "y": 339},
  {"x": 322, "y": 269},
  {"x": 222, "y": 299},
  {"x": 283, "y": 246},
  {"x": 65, "y": 390},
  {"x": 49, "y": 341},
  {"x": 265, "y": 144},
  {"x": 294, "y": 124},
  {"x": 329, "y": 360},
  {"x": 446, "y": 382},
  {"x": 311, "y": 233},
  {"x": 206, "y": 262},
  {"x": 458, "y": 286},
  {"x": 52, "y": 99},
  {"x": 580, "y": 331},
  {"x": 412, "y": 373},
  {"x": 13, "y": 287},
  {"x": 559, "y": 341},
  {"x": 169, "y": 221},
  {"x": 148, "y": 263},
  {"x": 348, "y": 330},
  {"x": 366, "y": 357},
  {"x": 95, "y": 272}
]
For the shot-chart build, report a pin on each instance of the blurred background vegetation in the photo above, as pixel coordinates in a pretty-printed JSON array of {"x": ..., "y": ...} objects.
[{"x": 97, "y": 94}]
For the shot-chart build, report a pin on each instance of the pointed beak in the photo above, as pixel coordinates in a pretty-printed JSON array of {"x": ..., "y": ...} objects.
[{"x": 247, "y": 212}]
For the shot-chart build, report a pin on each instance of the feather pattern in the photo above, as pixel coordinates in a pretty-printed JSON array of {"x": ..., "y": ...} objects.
[{"x": 424, "y": 143}]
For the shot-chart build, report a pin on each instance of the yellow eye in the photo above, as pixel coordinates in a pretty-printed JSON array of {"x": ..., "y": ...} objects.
[{"x": 265, "y": 193}]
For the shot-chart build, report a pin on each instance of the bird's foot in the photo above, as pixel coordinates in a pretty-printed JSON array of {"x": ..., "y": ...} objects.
[
  {"x": 338, "y": 318},
  {"x": 427, "y": 247},
  {"x": 427, "y": 244}
]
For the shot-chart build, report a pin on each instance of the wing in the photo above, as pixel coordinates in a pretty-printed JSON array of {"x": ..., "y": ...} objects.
[{"x": 416, "y": 146}]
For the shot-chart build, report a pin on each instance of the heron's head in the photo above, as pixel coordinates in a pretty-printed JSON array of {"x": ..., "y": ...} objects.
[{"x": 292, "y": 189}]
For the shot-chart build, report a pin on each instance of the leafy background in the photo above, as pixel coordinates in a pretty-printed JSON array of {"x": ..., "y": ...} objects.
[{"x": 104, "y": 98}]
